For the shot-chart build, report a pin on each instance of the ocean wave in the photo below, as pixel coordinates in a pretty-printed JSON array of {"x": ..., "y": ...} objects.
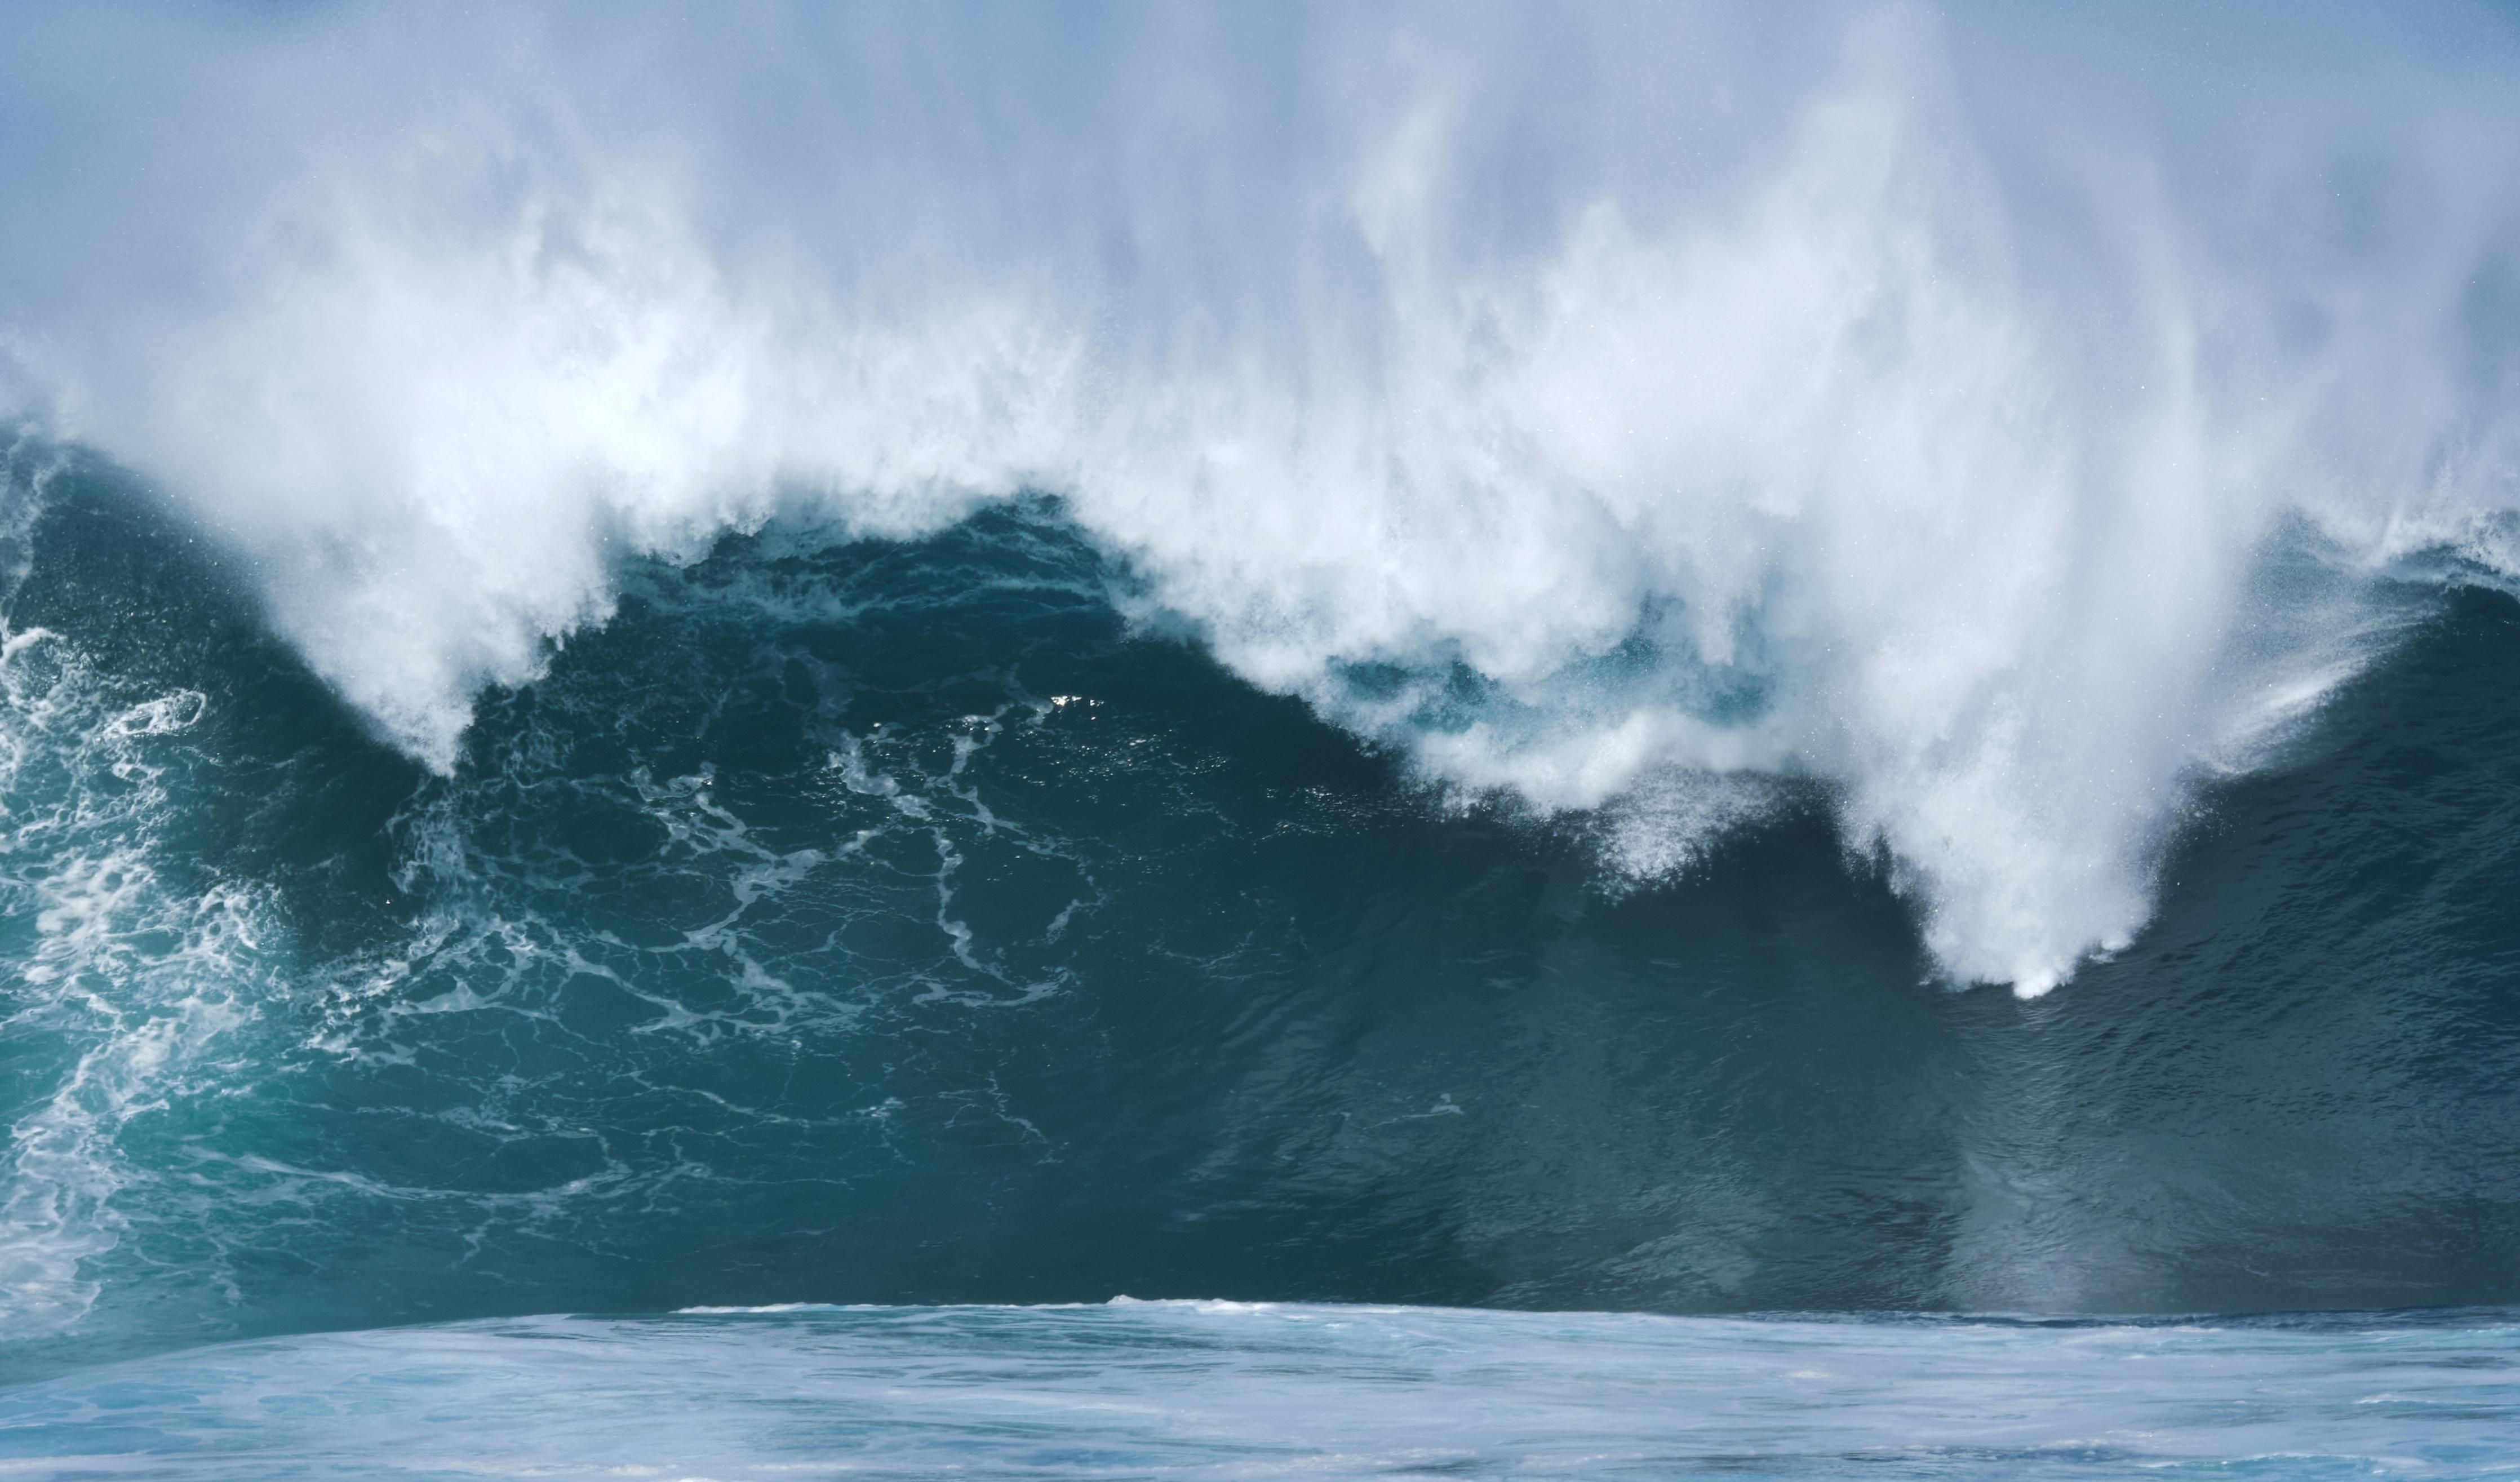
[{"x": 1605, "y": 406}]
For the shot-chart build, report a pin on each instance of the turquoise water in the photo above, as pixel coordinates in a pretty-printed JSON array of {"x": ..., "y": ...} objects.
[
  {"x": 797, "y": 940},
  {"x": 793, "y": 940}
]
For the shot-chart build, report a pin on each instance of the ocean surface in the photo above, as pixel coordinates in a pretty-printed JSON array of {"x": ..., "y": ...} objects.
[
  {"x": 1222, "y": 1389},
  {"x": 1606, "y": 741}
]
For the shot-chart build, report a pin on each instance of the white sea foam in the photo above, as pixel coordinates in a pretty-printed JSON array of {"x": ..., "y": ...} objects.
[
  {"x": 1910, "y": 400},
  {"x": 124, "y": 978}
]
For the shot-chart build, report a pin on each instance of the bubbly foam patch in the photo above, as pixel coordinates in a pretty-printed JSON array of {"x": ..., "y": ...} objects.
[
  {"x": 121, "y": 977},
  {"x": 1614, "y": 408}
]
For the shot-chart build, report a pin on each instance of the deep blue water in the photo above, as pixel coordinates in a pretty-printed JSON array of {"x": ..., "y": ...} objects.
[{"x": 855, "y": 922}]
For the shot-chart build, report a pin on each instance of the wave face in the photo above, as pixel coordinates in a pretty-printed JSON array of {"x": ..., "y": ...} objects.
[
  {"x": 1604, "y": 407},
  {"x": 899, "y": 921},
  {"x": 1219, "y": 1389}
]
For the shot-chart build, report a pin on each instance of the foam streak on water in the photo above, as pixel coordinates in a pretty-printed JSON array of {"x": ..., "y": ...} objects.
[{"x": 1230, "y": 1390}]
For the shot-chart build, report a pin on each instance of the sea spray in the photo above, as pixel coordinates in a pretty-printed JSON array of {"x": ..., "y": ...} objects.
[{"x": 1894, "y": 398}]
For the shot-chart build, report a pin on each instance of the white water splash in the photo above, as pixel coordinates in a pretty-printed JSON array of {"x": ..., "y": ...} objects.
[{"x": 1594, "y": 400}]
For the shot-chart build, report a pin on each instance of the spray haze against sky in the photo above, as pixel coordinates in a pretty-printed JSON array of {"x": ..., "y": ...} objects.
[{"x": 2002, "y": 415}]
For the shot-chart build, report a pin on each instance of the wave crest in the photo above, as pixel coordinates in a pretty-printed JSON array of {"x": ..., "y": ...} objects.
[{"x": 1609, "y": 406}]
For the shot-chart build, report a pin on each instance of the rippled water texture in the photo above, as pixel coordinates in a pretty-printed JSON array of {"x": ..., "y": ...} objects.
[{"x": 1221, "y": 1390}]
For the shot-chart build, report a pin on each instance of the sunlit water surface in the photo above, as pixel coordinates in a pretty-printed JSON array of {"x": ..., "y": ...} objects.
[{"x": 1219, "y": 1389}]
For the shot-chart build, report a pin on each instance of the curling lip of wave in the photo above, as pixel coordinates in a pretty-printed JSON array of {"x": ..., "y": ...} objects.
[{"x": 1608, "y": 407}]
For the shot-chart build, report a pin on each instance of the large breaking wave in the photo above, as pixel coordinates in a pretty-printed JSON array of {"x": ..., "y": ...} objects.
[{"x": 1998, "y": 415}]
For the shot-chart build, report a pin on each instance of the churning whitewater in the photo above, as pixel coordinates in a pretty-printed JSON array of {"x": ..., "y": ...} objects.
[
  {"x": 1440, "y": 657},
  {"x": 1609, "y": 408}
]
